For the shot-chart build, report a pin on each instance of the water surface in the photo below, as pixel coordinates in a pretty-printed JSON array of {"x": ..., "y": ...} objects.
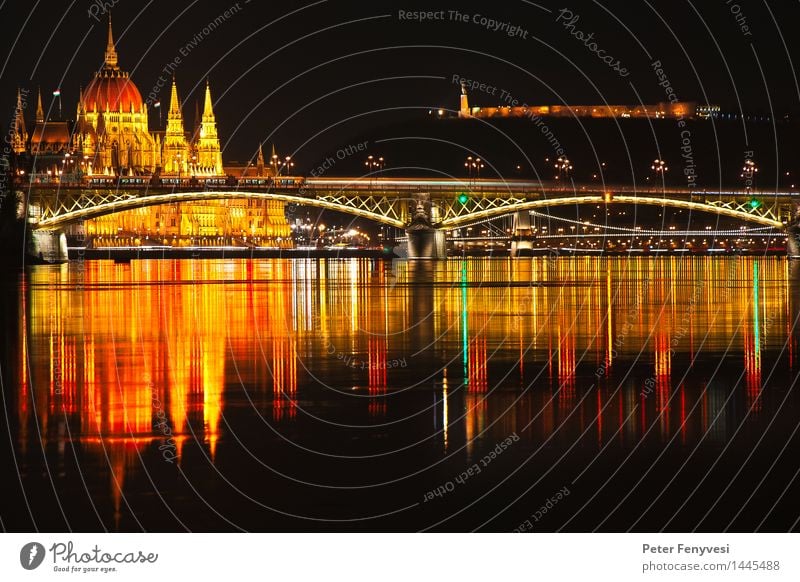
[{"x": 562, "y": 393}]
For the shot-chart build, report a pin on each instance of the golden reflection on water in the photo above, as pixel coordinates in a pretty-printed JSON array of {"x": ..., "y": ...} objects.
[{"x": 109, "y": 350}]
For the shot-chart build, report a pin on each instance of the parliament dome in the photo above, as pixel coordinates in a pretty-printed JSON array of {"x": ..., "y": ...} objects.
[{"x": 111, "y": 89}]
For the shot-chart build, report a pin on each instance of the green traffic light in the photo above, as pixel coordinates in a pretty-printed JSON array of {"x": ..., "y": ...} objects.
[
  {"x": 462, "y": 198},
  {"x": 754, "y": 204}
]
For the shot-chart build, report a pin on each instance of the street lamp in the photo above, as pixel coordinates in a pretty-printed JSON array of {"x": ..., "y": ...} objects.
[
  {"x": 474, "y": 166},
  {"x": 563, "y": 167},
  {"x": 288, "y": 164},
  {"x": 659, "y": 167},
  {"x": 748, "y": 175}
]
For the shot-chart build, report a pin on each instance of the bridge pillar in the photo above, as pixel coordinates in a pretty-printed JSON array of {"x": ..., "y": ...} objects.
[
  {"x": 793, "y": 234},
  {"x": 522, "y": 235},
  {"x": 793, "y": 240},
  {"x": 48, "y": 246},
  {"x": 424, "y": 241}
]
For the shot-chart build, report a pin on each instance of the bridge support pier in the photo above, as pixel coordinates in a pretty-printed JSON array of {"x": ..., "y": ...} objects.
[
  {"x": 49, "y": 246},
  {"x": 793, "y": 240},
  {"x": 522, "y": 235},
  {"x": 426, "y": 243}
]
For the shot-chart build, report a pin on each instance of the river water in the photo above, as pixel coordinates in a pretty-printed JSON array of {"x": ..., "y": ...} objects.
[{"x": 542, "y": 394}]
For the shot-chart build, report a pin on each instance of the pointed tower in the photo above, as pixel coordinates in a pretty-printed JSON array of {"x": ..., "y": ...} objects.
[
  {"x": 198, "y": 121},
  {"x": 113, "y": 106},
  {"x": 19, "y": 135},
  {"x": 209, "y": 156},
  {"x": 111, "y": 61},
  {"x": 49, "y": 138},
  {"x": 260, "y": 162},
  {"x": 39, "y": 108},
  {"x": 175, "y": 157}
]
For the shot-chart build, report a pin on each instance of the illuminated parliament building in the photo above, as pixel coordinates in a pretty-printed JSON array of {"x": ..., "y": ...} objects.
[{"x": 111, "y": 136}]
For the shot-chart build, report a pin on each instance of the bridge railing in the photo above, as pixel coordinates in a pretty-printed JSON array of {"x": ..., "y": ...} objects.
[{"x": 310, "y": 186}]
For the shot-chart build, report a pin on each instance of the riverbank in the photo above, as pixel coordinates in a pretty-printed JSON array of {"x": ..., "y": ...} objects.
[{"x": 138, "y": 253}]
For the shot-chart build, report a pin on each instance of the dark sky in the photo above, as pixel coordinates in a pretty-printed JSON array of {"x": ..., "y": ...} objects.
[{"x": 311, "y": 75}]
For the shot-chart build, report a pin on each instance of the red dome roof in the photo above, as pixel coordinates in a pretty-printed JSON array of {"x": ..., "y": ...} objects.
[{"x": 113, "y": 88}]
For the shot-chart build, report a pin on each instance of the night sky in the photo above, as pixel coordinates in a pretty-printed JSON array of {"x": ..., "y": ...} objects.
[{"x": 312, "y": 77}]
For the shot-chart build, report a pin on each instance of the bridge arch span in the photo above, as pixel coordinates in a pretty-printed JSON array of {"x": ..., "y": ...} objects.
[
  {"x": 68, "y": 217},
  {"x": 460, "y": 220}
]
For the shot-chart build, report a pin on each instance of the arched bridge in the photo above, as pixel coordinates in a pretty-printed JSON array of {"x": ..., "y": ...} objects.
[{"x": 437, "y": 204}]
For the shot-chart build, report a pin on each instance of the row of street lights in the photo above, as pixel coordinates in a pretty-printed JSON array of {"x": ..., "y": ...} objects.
[
  {"x": 286, "y": 165},
  {"x": 279, "y": 165},
  {"x": 473, "y": 166},
  {"x": 564, "y": 167},
  {"x": 375, "y": 164}
]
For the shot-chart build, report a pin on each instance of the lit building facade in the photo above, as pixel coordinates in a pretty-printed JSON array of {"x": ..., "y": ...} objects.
[
  {"x": 111, "y": 136},
  {"x": 665, "y": 110}
]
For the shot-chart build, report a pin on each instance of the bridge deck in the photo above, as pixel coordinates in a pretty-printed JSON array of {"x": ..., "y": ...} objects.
[{"x": 387, "y": 186}]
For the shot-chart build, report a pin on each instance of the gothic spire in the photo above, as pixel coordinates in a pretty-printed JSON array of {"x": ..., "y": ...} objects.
[
  {"x": 81, "y": 104},
  {"x": 19, "y": 135},
  {"x": 19, "y": 121},
  {"x": 111, "y": 52},
  {"x": 208, "y": 111},
  {"x": 39, "y": 108},
  {"x": 198, "y": 121},
  {"x": 260, "y": 161},
  {"x": 174, "y": 104}
]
